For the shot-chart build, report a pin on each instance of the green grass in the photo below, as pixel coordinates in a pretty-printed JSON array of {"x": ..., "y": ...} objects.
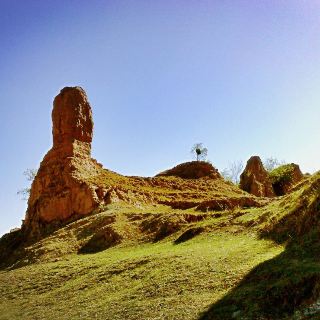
[
  {"x": 150, "y": 281},
  {"x": 282, "y": 173},
  {"x": 277, "y": 288},
  {"x": 258, "y": 263},
  {"x": 287, "y": 283}
]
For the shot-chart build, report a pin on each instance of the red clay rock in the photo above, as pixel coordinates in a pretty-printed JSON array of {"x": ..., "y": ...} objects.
[
  {"x": 60, "y": 190},
  {"x": 71, "y": 117},
  {"x": 285, "y": 177},
  {"x": 255, "y": 179},
  {"x": 192, "y": 170}
]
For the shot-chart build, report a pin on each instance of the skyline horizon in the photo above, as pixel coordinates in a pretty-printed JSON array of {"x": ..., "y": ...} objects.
[{"x": 242, "y": 78}]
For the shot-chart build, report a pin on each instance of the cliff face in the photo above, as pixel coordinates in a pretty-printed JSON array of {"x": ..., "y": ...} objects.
[
  {"x": 255, "y": 179},
  {"x": 61, "y": 191}
]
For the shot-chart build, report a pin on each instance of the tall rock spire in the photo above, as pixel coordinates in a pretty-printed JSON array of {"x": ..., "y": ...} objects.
[{"x": 61, "y": 191}]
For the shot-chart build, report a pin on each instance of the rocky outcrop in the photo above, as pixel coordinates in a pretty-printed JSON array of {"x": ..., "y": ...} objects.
[
  {"x": 192, "y": 170},
  {"x": 61, "y": 190},
  {"x": 285, "y": 177},
  {"x": 255, "y": 179}
]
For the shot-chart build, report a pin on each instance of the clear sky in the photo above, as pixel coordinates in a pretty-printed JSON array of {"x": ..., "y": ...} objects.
[{"x": 242, "y": 77}]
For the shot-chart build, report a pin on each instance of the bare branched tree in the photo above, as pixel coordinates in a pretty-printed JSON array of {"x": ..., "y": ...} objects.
[
  {"x": 232, "y": 173},
  {"x": 199, "y": 151},
  {"x": 30, "y": 175},
  {"x": 272, "y": 163}
]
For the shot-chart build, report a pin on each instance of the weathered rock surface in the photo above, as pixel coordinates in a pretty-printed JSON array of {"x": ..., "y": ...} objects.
[
  {"x": 255, "y": 179},
  {"x": 71, "y": 117},
  {"x": 70, "y": 184},
  {"x": 285, "y": 177},
  {"x": 60, "y": 190},
  {"x": 192, "y": 170}
]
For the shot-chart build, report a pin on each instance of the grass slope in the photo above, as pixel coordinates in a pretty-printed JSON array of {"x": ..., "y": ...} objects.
[
  {"x": 252, "y": 263},
  {"x": 283, "y": 286},
  {"x": 148, "y": 281}
]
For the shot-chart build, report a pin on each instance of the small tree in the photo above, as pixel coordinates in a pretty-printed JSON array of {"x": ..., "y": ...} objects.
[
  {"x": 199, "y": 151},
  {"x": 30, "y": 175}
]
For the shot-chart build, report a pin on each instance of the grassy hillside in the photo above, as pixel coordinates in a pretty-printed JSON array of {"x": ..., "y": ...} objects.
[
  {"x": 173, "y": 191},
  {"x": 150, "y": 261},
  {"x": 148, "y": 281}
]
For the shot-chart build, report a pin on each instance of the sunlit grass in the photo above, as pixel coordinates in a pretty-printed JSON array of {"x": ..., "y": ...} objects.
[
  {"x": 148, "y": 281},
  {"x": 239, "y": 265}
]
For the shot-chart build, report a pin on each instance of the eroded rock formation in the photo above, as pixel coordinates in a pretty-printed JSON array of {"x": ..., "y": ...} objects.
[
  {"x": 255, "y": 179},
  {"x": 70, "y": 184},
  {"x": 285, "y": 177},
  {"x": 61, "y": 191},
  {"x": 192, "y": 170}
]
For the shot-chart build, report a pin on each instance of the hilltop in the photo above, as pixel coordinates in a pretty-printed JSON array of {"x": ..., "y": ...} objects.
[{"x": 185, "y": 244}]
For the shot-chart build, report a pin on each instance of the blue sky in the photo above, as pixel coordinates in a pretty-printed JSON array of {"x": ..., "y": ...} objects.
[{"x": 240, "y": 76}]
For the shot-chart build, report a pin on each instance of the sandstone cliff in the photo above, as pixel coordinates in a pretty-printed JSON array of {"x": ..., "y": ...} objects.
[
  {"x": 60, "y": 190},
  {"x": 255, "y": 179}
]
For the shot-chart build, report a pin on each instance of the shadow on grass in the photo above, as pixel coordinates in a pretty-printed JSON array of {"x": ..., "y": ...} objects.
[
  {"x": 10, "y": 248},
  {"x": 275, "y": 288},
  {"x": 101, "y": 241},
  {"x": 189, "y": 234}
]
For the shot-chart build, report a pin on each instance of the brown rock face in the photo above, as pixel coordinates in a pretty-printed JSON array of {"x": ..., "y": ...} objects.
[
  {"x": 71, "y": 117},
  {"x": 255, "y": 179},
  {"x": 192, "y": 170},
  {"x": 60, "y": 191}
]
